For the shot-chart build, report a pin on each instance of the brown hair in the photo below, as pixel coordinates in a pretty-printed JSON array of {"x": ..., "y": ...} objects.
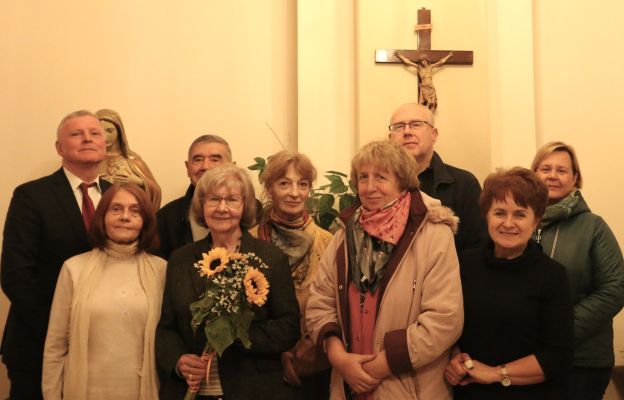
[
  {"x": 277, "y": 166},
  {"x": 387, "y": 156},
  {"x": 522, "y": 184},
  {"x": 552, "y": 147},
  {"x": 148, "y": 238},
  {"x": 279, "y": 162},
  {"x": 225, "y": 175}
]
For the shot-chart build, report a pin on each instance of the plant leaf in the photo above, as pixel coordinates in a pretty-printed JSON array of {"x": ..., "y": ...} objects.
[
  {"x": 259, "y": 165},
  {"x": 337, "y": 173},
  {"x": 346, "y": 200},
  {"x": 326, "y": 219},
  {"x": 326, "y": 202}
]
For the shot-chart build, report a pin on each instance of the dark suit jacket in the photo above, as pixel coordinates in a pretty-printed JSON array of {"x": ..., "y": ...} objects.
[
  {"x": 43, "y": 228},
  {"x": 245, "y": 374},
  {"x": 459, "y": 190},
  {"x": 174, "y": 228}
]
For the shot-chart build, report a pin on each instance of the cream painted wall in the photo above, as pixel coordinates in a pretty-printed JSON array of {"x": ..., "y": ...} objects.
[{"x": 326, "y": 84}]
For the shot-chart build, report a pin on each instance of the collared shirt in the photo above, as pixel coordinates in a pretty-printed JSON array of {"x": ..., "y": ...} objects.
[{"x": 95, "y": 192}]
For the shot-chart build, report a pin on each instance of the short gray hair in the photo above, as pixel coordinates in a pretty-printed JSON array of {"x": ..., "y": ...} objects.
[
  {"x": 429, "y": 118},
  {"x": 211, "y": 139},
  {"x": 74, "y": 114},
  {"x": 225, "y": 175}
]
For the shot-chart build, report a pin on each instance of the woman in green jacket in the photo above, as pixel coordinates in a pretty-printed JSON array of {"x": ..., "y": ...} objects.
[{"x": 582, "y": 241}]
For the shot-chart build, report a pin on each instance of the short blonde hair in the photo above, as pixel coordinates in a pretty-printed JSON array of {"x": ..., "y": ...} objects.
[
  {"x": 390, "y": 157},
  {"x": 228, "y": 176},
  {"x": 552, "y": 147}
]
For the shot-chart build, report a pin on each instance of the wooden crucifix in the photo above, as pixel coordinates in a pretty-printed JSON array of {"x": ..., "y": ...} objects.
[{"x": 424, "y": 60}]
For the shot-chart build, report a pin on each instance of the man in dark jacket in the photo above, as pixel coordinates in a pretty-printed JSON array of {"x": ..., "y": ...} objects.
[
  {"x": 46, "y": 224},
  {"x": 174, "y": 227},
  {"x": 412, "y": 126}
]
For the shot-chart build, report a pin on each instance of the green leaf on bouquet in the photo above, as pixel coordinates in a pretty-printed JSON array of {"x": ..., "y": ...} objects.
[
  {"x": 245, "y": 318},
  {"x": 219, "y": 333},
  {"x": 201, "y": 310}
]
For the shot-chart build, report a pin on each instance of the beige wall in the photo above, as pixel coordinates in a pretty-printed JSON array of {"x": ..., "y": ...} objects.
[{"x": 306, "y": 71}]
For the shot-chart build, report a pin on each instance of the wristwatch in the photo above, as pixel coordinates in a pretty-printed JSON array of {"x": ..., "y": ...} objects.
[{"x": 506, "y": 381}]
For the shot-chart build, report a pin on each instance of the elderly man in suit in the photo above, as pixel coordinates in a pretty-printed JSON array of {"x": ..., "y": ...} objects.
[{"x": 46, "y": 224}]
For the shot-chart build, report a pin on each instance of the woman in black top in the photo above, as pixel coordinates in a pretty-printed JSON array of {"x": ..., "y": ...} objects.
[{"x": 518, "y": 333}]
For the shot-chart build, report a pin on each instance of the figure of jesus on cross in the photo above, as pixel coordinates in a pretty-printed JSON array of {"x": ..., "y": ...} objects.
[
  {"x": 424, "y": 59},
  {"x": 426, "y": 93}
]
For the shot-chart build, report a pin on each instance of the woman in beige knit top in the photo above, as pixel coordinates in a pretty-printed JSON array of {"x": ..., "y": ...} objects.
[{"x": 100, "y": 341}]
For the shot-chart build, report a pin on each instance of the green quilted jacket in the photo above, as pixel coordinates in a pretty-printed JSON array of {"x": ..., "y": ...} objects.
[{"x": 582, "y": 241}]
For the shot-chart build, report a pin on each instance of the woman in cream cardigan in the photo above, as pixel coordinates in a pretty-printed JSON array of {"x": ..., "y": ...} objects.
[
  {"x": 100, "y": 341},
  {"x": 287, "y": 179}
]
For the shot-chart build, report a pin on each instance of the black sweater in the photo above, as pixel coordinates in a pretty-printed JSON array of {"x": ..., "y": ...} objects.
[{"x": 514, "y": 308}]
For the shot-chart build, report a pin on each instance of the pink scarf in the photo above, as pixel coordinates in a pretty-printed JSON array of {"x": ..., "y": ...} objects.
[{"x": 388, "y": 223}]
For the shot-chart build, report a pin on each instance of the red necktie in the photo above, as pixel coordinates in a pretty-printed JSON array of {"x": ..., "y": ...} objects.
[{"x": 87, "y": 204}]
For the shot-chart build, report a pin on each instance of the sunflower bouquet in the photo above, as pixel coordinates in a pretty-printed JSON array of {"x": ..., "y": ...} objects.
[{"x": 235, "y": 282}]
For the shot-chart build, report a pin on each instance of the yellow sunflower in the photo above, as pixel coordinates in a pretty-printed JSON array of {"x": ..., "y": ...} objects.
[
  {"x": 213, "y": 262},
  {"x": 256, "y": 287},
  {"x": 236, "y": 256}
]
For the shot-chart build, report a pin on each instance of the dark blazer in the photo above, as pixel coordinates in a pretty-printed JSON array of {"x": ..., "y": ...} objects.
[
  {"x": 174, "y": 228},
  {"x": 459, "y": 190},
  {"x": 245, "y": 374},
  {"x": 43, "y": 228}
]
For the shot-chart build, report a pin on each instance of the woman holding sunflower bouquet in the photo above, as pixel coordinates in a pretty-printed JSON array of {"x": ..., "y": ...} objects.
[{"x": 250, "y": 368}]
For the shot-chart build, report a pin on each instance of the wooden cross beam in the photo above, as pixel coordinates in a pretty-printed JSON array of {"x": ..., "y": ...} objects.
[{"x": 423, "y": 29}]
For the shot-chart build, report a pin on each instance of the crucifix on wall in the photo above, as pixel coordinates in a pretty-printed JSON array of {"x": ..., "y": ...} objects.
[{"x": 424, "y": 60}]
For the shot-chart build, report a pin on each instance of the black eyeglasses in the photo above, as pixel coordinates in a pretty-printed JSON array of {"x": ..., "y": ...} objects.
[{"x": 400, "y": 126}]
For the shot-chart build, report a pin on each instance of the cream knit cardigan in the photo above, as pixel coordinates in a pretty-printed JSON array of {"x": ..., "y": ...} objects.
[{"x": 65, "y": 355}]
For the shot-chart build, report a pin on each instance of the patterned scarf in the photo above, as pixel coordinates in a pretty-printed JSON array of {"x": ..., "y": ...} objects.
[
  {"x": 561, "y": 209},
  {"x": 372, "y": 237},
  {"x": 292, "y": 238},
  {"x": 388, "y": 223}
]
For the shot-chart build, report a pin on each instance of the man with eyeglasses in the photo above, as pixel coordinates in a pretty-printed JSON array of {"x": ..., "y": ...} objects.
[
  {"x": 175, "y": 228},
  {"x": 412, "y": 126}
]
